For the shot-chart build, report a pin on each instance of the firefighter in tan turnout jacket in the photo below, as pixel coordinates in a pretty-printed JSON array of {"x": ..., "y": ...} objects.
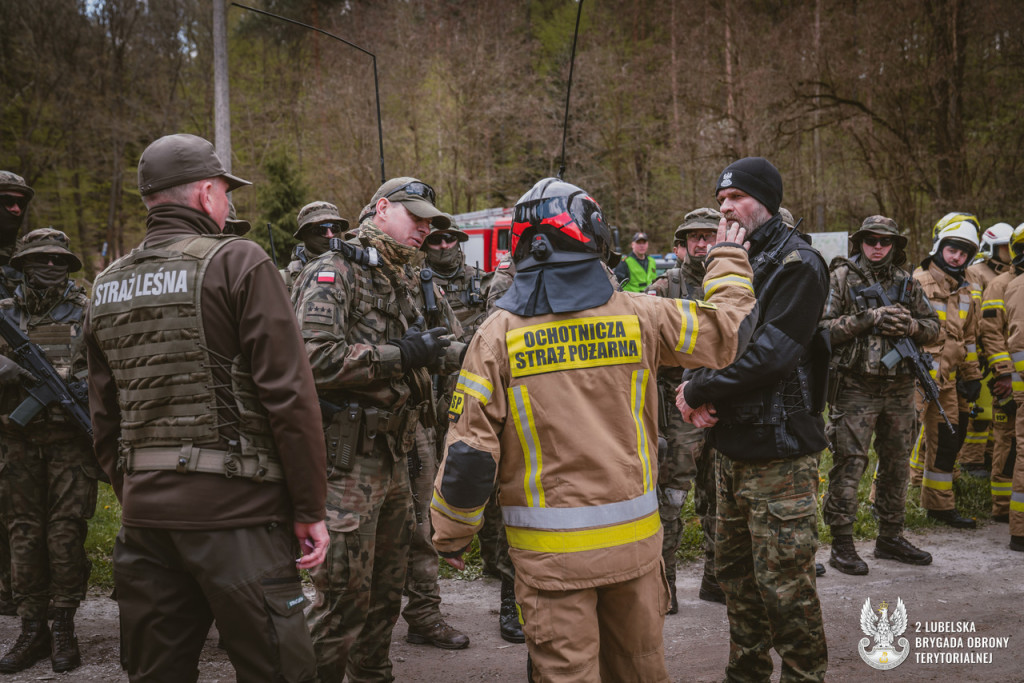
[
  {"x": 1014, "y": 301},
  {"x": 955, "y": 366},
  {"x": 546, "y": 388}
]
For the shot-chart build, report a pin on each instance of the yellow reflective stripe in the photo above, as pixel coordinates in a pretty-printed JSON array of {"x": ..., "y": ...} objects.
[
  {"x": 541, "y": 541},
  {"x": 1018, "y": 360},
  {"x": 690, "y": 325},
  {"x": 471, "y": 517},
  {"x": 1017, "y": 502},
  {"x": 522, "y": 415},
  {"x": 964, "y": 308},
  {"x": 940, "y": 309},
  {"x": 1002, "y": 488},
  {"x": 637, "y": 399},
  {"x": 938, "y": 481},
  {"x": 1001, "y": 357},
  {"x": 475, "y": 386},
  {"x": 993, "y": 304},
  {"x": 915, "y": 454},
  {"x": 713, "y": 285}
]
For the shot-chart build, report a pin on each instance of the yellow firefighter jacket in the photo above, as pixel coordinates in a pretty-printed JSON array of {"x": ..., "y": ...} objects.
[{"x": 560, "y": 412}]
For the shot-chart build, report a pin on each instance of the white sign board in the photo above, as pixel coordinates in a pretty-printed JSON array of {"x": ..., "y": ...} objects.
[{"x": 830, "y": 244}]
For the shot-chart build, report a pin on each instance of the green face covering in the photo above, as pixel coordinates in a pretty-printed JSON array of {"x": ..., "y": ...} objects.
[{"x": 445, "y": 261}]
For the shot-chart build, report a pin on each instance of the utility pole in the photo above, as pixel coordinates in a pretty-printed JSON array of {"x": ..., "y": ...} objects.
[{"x": 221, "y": 103}]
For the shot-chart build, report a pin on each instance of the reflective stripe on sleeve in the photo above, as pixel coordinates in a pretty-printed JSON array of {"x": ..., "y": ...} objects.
[
  {"x": 940, "y": 309},
  {"x": 588, "y": 539},
  {"x": 993, "y": 305},
  {"x": 472, "y": 517},
  {"x": 475, "y": 386},
  {"x": 1001, "y": 357},
  {"x": 972, "y": 353},
  {"x": 713, "y": 285},
  {"x": 1018, "y": 360},
  {"x": 688, "y": 331}
]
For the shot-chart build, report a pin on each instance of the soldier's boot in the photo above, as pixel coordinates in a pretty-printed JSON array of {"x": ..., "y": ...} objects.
[
  {"x": 32, "y": 645},
  {"x": 953, "y": 518},
  {"x": 845, "y": 558},
  {"x": 673, "y": 607},
  {"x": 508, "y": 617},
  {"x": 9, "y": 609},
  {"x": 900, "y": 549},
  {"x": 65, "y": 655},
  {"x": 1017, "y": 543},
  {"x": 819, "y": 569},
  {"x": 439, "y": 634},
  {"x": 710, "y": 591}
]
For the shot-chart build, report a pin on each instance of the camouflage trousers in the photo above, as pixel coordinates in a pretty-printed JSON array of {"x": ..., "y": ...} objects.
[
  {"x": 1004, "y": 459},
  {"x": 47, "y": 493},
  {"x": 766, "y": 538},
  {"x": 705, "y": 504},
  {"x": 494, "y": 543},
  {"x": 424, "y": 605},
  {"x": 676, "y": 470},
  {"x": 866, "y": 407},
  {"x": 359, "y": 585},
  {"x": 5, "y": 561}
]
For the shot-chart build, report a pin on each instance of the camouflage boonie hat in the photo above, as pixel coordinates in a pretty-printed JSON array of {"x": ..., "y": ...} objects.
[
  {"x": 318, "y": 212},
  {"x": 45, "y": 241},
  {"x": 418, "y": 197},
  {"x": 879, "y": 225},
  {"x": 235, "y": 225},
  {"x": 787, "y": 217},
  {"x": 12, "y": 182},
  {"x": 698, "y": 219}
]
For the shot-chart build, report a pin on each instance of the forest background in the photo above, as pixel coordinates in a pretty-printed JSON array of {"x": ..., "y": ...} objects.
[{"x": 908, "y": 108}]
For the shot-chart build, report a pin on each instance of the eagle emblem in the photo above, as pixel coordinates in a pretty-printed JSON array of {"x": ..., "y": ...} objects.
[
  {"x": 726, "y": 179},
  {"x": 884, "y": 628}
]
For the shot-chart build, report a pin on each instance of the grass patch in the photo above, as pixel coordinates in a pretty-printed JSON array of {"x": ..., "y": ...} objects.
[
  {"x": 474, "y": 565},
  {"x": 99, "y": 544}
]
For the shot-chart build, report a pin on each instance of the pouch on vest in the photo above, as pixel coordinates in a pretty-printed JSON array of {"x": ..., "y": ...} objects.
[{"x": 342, "y": 434}]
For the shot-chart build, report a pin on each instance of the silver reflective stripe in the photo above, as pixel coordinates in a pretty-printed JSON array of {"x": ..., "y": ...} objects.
[
  {"x": 687, "y": 335},
  {"x": 939, "y": 306},
  {"x": 642, "y": 439},
  {"x": 580, "y": 518},
  {"x": 938, "y": 476},
  {"x": 527, "y": 437},
  {"x": 468, "y": 382}
]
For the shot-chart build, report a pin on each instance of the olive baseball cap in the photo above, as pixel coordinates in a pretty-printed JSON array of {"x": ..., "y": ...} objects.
[
  {"x": 416, "y": 196},
  {"x": 180, "y": 159},
  {"x": 45, "y": 241}
]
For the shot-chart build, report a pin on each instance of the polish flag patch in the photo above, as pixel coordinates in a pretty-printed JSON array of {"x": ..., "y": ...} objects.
[{"x": 325, "y": 277}]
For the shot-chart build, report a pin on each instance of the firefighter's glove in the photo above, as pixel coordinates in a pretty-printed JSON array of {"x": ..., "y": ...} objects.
[
  {"x": 894, "y": 321},
  {"x": 11, "y": 372},
  {"x": 421, "y": 349},
  {"x": 970, "y": 389},
  {"x": 1001, "y": 386}
]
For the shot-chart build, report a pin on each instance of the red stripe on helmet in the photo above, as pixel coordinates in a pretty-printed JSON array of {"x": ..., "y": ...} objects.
[{"x": 567, "y": 225}]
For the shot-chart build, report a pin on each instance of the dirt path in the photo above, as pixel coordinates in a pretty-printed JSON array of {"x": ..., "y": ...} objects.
[{"x": 975, "y": 578}]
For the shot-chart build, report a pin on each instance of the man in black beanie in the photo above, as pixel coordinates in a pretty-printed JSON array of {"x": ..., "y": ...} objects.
[{"x": 764, "y": 412}]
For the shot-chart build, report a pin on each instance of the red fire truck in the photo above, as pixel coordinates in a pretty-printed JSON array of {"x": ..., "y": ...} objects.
[{"x": 489, "y": 232}]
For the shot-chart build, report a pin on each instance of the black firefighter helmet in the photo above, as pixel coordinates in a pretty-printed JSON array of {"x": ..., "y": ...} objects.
[{"x": 557, "y": 222}]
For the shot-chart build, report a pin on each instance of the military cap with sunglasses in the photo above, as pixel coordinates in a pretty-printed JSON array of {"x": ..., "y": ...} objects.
[
  {"x": 880, "y": 230},
  {"x": 416, "y": 196},
  {"x": 317, "y": 213},
  {"x": 43, "y": 243},
  {"x": 450, "y": 235}
]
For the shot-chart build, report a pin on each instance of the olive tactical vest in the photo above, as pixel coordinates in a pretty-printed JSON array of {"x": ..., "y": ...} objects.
[{"x": 147, "y": 319}]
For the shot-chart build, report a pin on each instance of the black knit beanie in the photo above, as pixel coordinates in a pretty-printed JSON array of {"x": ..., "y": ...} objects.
[{"x": 757, "y": 177}]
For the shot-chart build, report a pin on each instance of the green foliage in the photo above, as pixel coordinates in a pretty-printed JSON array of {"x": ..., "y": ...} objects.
[
  {"x": 474, "y": 565},
  {"x": 280, "y": 197},
  {"x": 99, "y": 544}
]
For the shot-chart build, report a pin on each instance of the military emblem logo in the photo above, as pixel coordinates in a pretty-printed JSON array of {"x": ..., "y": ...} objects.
[
  {"x": 884, "y": 629},
  {"x": 726, "y": 179}
]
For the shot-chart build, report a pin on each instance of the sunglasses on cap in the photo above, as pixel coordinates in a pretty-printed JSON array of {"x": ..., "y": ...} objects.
[
  {"x": 320, "y": 229},
  {"x": 436, "y": 238},
  {"x": 44, "y": 259},
  {"x": 874, "y": 241},
  {"x": 416, "y": 189}
]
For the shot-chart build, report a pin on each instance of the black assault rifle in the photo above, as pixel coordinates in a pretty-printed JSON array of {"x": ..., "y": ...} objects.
[
  {"x": 47, "y": 388},
  {"x": 903, "y": 349}
]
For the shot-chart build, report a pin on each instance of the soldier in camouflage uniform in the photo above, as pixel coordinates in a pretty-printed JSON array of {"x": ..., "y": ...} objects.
[
  {"x": 685, "y": 456},
  {"x": 869, "y": 398},
  {"x": 318, "y": 223},
  {"x": 47, "y": 471},
  {"x": 15, "y": 195},
  {"x": 361, "y": 312},
  {"x": 461, "y": 286}
]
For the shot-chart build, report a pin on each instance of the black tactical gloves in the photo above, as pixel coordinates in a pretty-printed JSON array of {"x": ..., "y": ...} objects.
[
  {"x": 422, "y": 349},
  {"x": 970, "y": 389}
]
